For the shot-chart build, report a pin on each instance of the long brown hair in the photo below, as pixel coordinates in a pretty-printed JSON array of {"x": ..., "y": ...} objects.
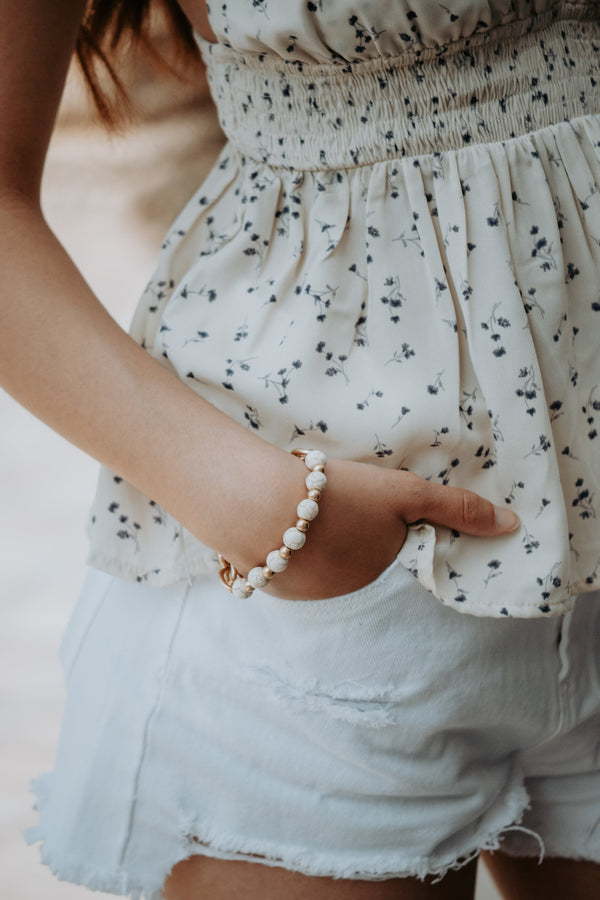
[{"x": 104, "y": 27}]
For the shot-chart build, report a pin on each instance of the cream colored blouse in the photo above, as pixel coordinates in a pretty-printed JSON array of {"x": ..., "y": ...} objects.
[{"x": 396, "y": 259}]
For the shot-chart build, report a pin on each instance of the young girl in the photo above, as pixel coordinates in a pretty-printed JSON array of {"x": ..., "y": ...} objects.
[{"x": 394, "y": 264}]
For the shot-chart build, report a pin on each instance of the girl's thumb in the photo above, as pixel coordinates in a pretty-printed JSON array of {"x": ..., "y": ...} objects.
[{"x": 456, "y": 508}]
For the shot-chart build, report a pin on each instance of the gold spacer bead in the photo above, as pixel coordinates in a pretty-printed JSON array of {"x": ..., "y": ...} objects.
[
  {"x": 267, "y": 572},
  {"x": 318, "y": 469},
  {"x": 248, "y": 588},
  {"x": 314, "y": 495},
  {"x": 285, "y": 552},
  {"x": 303, "y": 525}
]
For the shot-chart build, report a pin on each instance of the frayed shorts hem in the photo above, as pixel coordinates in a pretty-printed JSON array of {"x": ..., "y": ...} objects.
[
  {"x": 207, "y": 841},
  {"x": 137, "y": 887}
]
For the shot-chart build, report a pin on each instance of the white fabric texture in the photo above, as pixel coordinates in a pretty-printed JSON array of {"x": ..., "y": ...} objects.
[
  {"x": 396, "y": 259},
  {"x": 339, "y": 737}
]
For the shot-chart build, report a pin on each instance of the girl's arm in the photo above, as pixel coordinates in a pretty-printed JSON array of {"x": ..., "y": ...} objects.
[
  {"x": 62, "y": 355},
  {"x": 65, "y": 359}
]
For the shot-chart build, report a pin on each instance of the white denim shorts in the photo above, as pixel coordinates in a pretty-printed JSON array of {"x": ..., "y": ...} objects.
[{"x": 374, "y": 735}]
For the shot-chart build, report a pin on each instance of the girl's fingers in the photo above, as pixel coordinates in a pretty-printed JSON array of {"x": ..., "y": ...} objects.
[{"x": 456, "y": 508}]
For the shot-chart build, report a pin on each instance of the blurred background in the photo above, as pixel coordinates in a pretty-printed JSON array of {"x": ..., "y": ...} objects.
[{"x": 110, "y": 198}]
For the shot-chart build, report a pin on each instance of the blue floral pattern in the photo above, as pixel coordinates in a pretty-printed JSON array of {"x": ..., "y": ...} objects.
[{"x": 396, "y": 258}]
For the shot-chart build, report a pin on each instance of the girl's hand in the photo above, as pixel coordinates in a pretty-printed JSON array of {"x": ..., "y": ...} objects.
[{"x": 362, "y": 522}]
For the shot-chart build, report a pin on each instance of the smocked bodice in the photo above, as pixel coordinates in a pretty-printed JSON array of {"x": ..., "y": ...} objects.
[{"x": 395, "y": 79}]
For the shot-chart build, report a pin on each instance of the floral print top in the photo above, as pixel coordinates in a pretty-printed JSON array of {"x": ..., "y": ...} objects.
[{"x": 396, "y": 259}]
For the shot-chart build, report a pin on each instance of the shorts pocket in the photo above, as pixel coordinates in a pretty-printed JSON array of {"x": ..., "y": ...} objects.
[
  {"x": 340, "y": 605},
  {"x": 341, "y": 655}
]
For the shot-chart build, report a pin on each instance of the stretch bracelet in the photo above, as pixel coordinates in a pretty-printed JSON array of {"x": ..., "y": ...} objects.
[{"x": 293, "y": 539}]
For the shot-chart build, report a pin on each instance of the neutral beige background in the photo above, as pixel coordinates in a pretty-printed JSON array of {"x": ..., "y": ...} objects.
[{"x": 110, "y": 201}]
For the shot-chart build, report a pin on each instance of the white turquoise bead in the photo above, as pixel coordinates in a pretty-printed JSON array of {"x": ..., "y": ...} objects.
[
  {"x": 256, "y": 577},
  {"x": 315, "y": 458},
  {"x": 275, "y": 562},
  {"x": 294, "y": 539},
  {"x": 307, "y": 509},
  {"x": 315, "y": 481},
  {"x": 238, "y": 589}
]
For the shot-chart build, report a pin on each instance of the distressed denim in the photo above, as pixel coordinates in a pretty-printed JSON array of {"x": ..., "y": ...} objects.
[{"x": 372, "y": 735}]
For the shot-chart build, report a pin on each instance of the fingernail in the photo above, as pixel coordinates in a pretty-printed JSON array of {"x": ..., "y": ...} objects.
[{"x": 506, "y": 520}]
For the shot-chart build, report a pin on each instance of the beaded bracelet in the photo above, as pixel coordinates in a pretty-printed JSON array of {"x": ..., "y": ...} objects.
[{"x": 293, "y": 539}]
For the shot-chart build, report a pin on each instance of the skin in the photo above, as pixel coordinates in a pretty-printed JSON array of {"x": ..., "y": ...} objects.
[
  {"x": 201, "y": 877},
  {"x": 522, "y": 878},
  {"x": 65, "y": 359}
]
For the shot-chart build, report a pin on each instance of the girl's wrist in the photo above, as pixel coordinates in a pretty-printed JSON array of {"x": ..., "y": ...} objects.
[
  {"x": 257, "y": 510},
  {"x": 293, "y": 538}
]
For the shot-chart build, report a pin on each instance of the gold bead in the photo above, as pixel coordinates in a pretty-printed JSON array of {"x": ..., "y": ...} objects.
[
  {"x": 267, "y": 572},
  {"x": 314, "y": 495},
  {"x": 318, "y": 469},
  {"x": 248, "y": 588},
  {"x": 303, "y": 525},
  {"x": 285, "y": 552}
]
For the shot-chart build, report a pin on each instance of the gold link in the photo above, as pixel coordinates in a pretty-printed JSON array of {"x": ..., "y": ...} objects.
[{"x": 228, "y": 573}]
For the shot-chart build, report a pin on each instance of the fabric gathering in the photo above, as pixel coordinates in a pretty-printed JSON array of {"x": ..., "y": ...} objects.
[{"x": 395, "y": 259}]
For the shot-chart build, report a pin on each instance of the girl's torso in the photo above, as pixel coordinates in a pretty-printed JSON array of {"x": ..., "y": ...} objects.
[{"x": 396, "y": 258}]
